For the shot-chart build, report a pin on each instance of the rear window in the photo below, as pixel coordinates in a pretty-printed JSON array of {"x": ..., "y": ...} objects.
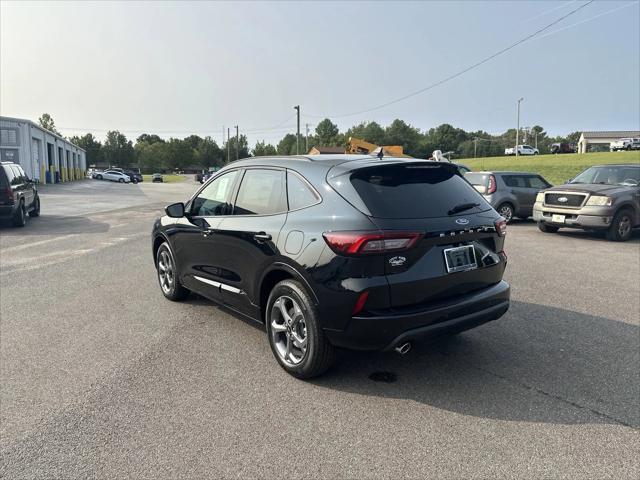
[
  {"x": 413, "y": 191},
  {"x": 476, "y": 178}
]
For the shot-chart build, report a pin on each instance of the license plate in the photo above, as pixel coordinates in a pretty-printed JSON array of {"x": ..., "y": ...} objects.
[
  {"x": 460, "y": 259},
  {"x": 557, "y": 218}
]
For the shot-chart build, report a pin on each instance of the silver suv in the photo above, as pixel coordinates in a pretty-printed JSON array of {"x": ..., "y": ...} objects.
[
  {"x": 512, "y": 194},
  {"x": 604, "y": 197}
]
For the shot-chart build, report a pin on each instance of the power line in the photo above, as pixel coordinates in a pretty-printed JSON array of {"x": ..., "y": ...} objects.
[
  {"x": 547, "y": 12},
  {"x": 463, "y": 71}
]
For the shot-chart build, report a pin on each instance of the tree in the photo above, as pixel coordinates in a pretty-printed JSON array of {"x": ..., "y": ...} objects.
[
  {"x": 287, "y": 146},
  {"x": 118, "y": 150},
  {"x": 149, "y": 138},
  {"x": 151, "y": 157},
  {"x": 243, "y": 147},
  {"x": 194, "y": 141},
  {"x": 91, "y": 146},
  {"x": 46, "y": 122},
  {"x": 401, "y": 133},
  {"x": 263, "y": 149},
  {"x": 327, "y": 133},
  {"x": 444, "y": 137},
  {"x": 369, "y": 131},
  {"x": 179, "y": 154},
  {"x": 209, "y": 154}
]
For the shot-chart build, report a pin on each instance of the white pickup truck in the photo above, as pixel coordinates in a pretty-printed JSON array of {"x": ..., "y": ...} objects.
[
  {"x": 522, "y": 150},
  {"x": 625, "y": 144}
]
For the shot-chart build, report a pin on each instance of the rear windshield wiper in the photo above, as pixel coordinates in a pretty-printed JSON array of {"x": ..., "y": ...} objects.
[{"x": 462, "y": 207}]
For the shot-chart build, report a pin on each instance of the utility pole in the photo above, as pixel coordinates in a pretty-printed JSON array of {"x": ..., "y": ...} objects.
[
  {"x": 237, "y": 141},
  {"x": 518, "y": 129},
  {"x": 306, "y": 138},
  {"x": 297, "y": 108},
  {"x": 228, "y": 153},
  {"x": 475, "y": 146}
]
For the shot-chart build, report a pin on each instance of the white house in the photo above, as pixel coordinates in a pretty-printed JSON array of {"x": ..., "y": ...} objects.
[{"x": 44, "y": 156}]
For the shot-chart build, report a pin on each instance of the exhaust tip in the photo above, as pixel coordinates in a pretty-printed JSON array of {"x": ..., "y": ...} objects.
[{"x": 403, "y": 349}]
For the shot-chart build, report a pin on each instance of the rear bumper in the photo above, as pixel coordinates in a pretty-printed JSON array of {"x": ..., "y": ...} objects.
[
  {"x": 7, "y": 211},
  {"x": 454, "y": 315}
]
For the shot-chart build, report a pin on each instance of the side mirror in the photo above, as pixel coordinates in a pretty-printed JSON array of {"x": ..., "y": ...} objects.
[
  {"x": 175, "y": 210},
  {"x": 568, "y": 180}
]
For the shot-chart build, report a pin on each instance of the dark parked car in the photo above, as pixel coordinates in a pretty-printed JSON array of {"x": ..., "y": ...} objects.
[
  {"x": 563, "y": 148},
  {"x": 18, "y": 194},
  {"x": 157, "y": 177},
  {"x": 338, "y": 251},
  {"x": 603, "y": 197},
  {"x": 512, "y": 194},
  {"x": 134, "y": 175}
]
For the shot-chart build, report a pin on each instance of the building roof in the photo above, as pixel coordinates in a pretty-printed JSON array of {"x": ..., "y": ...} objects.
[
  {"x": 609, "y": 134},
  {"x": 35, "y": 125}
]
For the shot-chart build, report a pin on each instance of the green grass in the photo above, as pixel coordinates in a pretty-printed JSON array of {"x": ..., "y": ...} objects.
[
  {"x": 555, "y": 168},
  {"x": 168, "y": 178}
]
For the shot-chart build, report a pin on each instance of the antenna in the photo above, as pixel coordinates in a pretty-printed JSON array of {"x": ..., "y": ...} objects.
[{"x": 379, "y": 153}]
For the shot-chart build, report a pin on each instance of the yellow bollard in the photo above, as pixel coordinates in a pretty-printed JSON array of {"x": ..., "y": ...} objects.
[{"x": 43, "y": 177}]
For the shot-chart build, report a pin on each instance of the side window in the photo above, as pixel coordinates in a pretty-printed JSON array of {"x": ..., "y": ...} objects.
[
  {"x": 214, "y": 198},
  {"x": 514, "y": 181},
  {"x": 299, "y": 193},
  {"x": 262, "y": 192},
  {"x": 17, "y": 175},
  {"x": 537, "y": 182},
  {"x": 9, "y": 173}
]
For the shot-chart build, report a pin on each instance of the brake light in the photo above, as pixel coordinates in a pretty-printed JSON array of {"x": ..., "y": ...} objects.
[
  {"x": 492, "y": 185},
  {"x": 501, "y": 227},
  {"x": 8, "y": 193},
  {"x": 361, "y": 243}
]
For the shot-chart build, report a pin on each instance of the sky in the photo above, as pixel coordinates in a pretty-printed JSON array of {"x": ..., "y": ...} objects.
[{"x": 180, "y": 68}]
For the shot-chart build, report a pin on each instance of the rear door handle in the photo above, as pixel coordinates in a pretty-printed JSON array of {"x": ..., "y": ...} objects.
[{"x": 262, "y": 237}]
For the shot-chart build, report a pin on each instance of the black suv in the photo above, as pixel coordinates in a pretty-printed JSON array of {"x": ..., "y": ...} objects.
[
  {"x": 18, "y": 194},
  {"x": 338, "y": 251}
]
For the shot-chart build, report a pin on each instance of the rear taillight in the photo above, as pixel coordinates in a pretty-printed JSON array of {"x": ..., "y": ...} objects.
[
  {"x": 362, "y": 243},
  {"x": 501, "y": 227},
  {"x": 492, "y": 185},
  {"x": 8, "y": 193}
]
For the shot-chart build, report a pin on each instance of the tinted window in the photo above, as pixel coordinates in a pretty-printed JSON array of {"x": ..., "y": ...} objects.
[
  {"x": 8, "y": 175},
  {"x": 262, "y": 192},
  {"x": 514, "y": 181},
  {"x": 537, "y": 182},
  {"x": 214, "y": 198},
  {"x": 413, "y": 191},
  {"x": 476, "y": 178},
  {"x": 18, "y": 175},
  {"x": 299, "y": 193}
]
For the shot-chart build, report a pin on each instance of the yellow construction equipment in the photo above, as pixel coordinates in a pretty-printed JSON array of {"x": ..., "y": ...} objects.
[{"x": 358, "y": 146}]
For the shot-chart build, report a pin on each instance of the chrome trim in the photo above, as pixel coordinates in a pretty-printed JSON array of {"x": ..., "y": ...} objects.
[
  {"x": 564, "y": 192},
  {"x": 222, "y": 286}
]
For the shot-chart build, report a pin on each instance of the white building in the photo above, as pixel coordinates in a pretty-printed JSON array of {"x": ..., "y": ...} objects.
[
  {"x": 44, "y": 156},
  {"x": 588, "y": 138}
]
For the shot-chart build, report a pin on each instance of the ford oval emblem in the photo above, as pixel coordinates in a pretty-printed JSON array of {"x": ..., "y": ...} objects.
[
  {"x": 563, "y": 199},
  {"x": 462, "y": 221}
]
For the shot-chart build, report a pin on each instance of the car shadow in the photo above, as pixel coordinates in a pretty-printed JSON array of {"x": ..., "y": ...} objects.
[
  {"x": 536, "y": 364},
  {"x": 53, "y": 225}
]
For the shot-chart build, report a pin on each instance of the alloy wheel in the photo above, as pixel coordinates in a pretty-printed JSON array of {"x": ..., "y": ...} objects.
[
  {"x": 288, "y": 330},
  {"x": 506, "y": 212},
  {"x": 624, "y": 226},
  {"x": 165, "y": 272}
]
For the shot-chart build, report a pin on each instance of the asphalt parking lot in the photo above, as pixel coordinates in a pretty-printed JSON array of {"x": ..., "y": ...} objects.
[{"x": 103, "y": 377}]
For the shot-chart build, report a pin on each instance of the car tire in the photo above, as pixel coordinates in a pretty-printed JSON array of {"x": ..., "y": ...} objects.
[
  {"x": 20, "y": 216},
  {"x": 35, "y": 211},
  {"x": 121, "y": 180},
  {"x": 621, "y": 226},
  {"x": 506, "y": 210},
  {"x": 306, "y": 359},
  {"x": 99, "y": 177},
  {"x": 166, "y": 269},
  {"x": 543, "y": 227},
  {"x": 628, "y": 147}
]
